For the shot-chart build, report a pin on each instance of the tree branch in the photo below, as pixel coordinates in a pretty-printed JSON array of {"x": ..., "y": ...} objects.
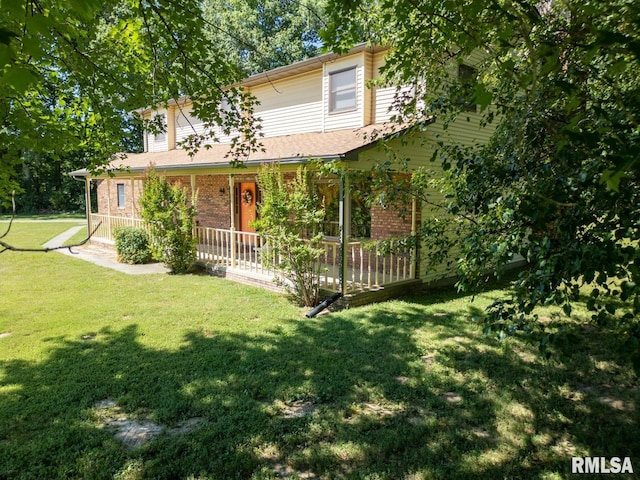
[
  {"x": 13, "y": 205},
  {"x": 6, "y": 246}
]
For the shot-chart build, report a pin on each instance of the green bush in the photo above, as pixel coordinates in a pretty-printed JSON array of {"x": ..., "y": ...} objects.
[
  {"x": 170, "y": 216},
  {"x": 132, "y": 245},
  {"x": 291, "y": 217}
]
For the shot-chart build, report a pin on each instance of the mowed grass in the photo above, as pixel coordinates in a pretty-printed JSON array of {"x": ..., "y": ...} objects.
[{"x": 404, "y": 389}]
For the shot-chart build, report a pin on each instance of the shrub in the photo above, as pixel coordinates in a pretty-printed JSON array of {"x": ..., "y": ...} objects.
[
  {"x": 291, "y": 216},
  {"x": 132, "y": 245},
  {"x": 171, "y": 220}
]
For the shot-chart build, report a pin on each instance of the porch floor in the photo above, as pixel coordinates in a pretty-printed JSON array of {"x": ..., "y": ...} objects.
[{"x": 252, "y": 272}]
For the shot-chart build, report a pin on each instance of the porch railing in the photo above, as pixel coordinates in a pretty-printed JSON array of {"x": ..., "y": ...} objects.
[
  {"x": 366, "y": 266},
  {"x": 242, "y": 250},
  {"x": 109, "y": 223}
]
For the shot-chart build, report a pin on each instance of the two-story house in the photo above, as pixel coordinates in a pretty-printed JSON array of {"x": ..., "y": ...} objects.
[{"x": 321, "y": 108}]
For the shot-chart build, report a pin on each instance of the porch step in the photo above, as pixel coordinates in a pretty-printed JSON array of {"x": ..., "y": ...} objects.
[
  {"x": 242, "y": 276},
  {"x": 379, "y": 294}
]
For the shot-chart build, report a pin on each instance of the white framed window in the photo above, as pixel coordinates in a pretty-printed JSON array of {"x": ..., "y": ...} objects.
[
  {"x": 121, "y": 197},
  {"x": 467, "y": 76},
  {"x": 342, "y": 90}
]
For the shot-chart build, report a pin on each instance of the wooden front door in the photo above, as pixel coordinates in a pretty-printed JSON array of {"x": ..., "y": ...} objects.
[{"x": 247, "y": 206}]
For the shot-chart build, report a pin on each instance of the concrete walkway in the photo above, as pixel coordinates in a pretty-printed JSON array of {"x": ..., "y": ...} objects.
[{"x": 104, "y": 257}]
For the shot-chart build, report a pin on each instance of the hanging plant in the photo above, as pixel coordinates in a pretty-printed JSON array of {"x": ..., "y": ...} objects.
[{"x": 247, "y": 197}]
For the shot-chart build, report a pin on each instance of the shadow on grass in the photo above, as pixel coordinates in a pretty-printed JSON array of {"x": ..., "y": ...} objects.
[{"x": 382, "y": 400}]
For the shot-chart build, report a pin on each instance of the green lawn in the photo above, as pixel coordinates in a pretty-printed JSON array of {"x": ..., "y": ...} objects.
[{"x": 404, "y": 389}]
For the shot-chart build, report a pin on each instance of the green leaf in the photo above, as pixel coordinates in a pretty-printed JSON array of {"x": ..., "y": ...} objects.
[
  {"x": 6, "y": 36},
  {"x": 482, "y": 96},
  {"x": 612, "y": 179},
  {"x": 19, "y": 79}
]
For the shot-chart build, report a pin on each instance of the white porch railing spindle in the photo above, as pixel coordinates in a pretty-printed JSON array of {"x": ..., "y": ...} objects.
[
  {"x": 246, "y": 251},
  {"x": 369, "y": 268}
]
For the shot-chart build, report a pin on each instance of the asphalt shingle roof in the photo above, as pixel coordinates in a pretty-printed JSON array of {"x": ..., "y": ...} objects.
[{"x": 287, "y": 148}]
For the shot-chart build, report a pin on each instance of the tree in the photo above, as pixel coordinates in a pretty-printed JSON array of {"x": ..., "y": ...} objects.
[
  {"x": 170, "y": 216},
  {"x": 260, "y": 35},
  {"x": 70, "y": 72},
  {"x": 559, "y": 181}
]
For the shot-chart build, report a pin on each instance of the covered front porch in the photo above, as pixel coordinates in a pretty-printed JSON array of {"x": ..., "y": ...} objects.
[{"x": 358, "y": 267}]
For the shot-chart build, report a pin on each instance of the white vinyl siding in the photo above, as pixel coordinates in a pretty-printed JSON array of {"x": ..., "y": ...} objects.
[
  {"x": 188, "y": 124},
  {"x": 351, "y": 117},
  {"x": 386, "y": 102},
  {"x": 159, "y": 142},
  {"x": 290, "y": 106},
  {"x": 384, "y": 97},
  {"x": 420, "y": 147},
  {"x": 385, "y": 110}
]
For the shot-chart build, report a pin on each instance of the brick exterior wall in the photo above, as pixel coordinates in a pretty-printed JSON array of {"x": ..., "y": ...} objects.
[
  {"x": 214, "y": 202},
  {"x": 107, "y": 192},
  {"x": 214, "y": 205},
  {"x": 387, "y": 223}
]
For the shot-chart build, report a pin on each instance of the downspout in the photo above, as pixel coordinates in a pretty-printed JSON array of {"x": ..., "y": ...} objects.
[
  {"x": 414, "y": 249},
  {"x": 87, "y": 199},
  {"x": 325, "y": 96},
  {"x": 133, "y": 198},
  {"x": 344, "y": 240},
  {"x": 345, "y": 230},
  {"x": 374, "y": 90},
  {"x": 109, "y": 237}
]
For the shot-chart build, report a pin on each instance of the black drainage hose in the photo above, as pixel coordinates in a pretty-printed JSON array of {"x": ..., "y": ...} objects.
[{"x": 323, "y": 305}]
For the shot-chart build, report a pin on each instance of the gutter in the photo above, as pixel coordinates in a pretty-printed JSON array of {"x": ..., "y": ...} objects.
[{"x": 218, "y": 165}]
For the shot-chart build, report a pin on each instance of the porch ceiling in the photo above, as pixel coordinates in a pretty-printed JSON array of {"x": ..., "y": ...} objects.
[{"x": 296, "y": 148}]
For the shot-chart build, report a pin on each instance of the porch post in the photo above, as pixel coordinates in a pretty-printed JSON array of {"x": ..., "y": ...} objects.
[
  {"x": 87, "y": 200},
  {"x": 133, "y": 198},
  {"x": 193, "y": 197},
  {"x": 232, "y": 205},
  {"x": 109, "y": 236},
  {"x": 345, "y": 231},
  {"x": 414, "y": 249}
]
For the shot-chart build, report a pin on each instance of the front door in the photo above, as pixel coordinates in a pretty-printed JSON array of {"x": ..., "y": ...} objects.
[{"x": 247, "y": 206}]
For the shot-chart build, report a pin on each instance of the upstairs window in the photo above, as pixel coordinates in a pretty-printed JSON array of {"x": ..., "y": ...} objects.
[
  {"x": 467, "y": 78},
  {"x": 342, "y": 90}
]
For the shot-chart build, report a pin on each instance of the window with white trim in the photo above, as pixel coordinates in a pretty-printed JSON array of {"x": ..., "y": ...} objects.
[
  {"x": 467, "y": 76},
  {"x": 342, "y": 90},
  {"x": 121, "y": 197}
]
